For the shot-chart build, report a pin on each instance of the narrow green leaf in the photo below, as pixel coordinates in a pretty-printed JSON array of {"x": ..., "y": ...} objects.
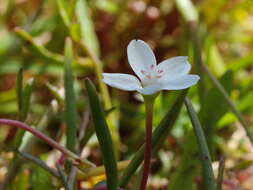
[
  {"x": 36, "y": 49},
  {"x": 26, "y": 98},
  {"x": 209, "y": 180},
  {"x": 55, "y": 92},
  {"x": 70, "y": 99},
  {"x": 190, "y": 14},
  {"x": 158, "y": 137},
  {"x": 231, "y": 104},
  {"x": 197, "y": 56},
  {"x": 187, "y": 10},
  {"x": 88, "y": 34},
  {"x": 25, "y": 107},
  {"x": 213, "y": 107},
  {"x": 104, "y": 137},
  {"x": 64, "y": 12},
  {"x": 19, "y": 89},
  {"x": 214, "y": 58},
  {"x": 47, "y": 56}
]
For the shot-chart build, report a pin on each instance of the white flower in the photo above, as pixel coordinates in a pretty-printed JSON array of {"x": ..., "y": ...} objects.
[{"x": 171, "y": 74}]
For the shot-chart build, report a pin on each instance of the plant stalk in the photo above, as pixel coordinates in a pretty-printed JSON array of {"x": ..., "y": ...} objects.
[
  {"x": 75, "y": 158},
  {"x": 149, "y": 103}
]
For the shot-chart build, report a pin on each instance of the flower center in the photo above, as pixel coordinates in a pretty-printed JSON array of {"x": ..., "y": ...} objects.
[{"x": 151, "y": 75}]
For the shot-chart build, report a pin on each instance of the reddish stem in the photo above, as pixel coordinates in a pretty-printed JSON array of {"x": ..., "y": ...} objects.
[
  {"x": 148, "y": 144},
  {"x": 36, "y": 133}
]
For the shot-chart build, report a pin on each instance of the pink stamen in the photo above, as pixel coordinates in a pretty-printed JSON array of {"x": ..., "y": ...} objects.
[
  {"x": 143, "y": 72},
  {"x": 160, "y": 71},
  {"x": 148, "y": 76}
]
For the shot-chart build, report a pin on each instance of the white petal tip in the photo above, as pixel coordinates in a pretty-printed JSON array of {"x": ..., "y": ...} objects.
[
  {"x": 194, "y": 79},
  {"x": 135, "y": 42}
]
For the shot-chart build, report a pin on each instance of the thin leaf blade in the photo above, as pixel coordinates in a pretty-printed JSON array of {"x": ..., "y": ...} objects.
[
  {"x": 88, "y": 34},
  {"x": 209, "y": 180},
  {"x": 104, "y": 137},
  {"x": 70, "y": 99}
]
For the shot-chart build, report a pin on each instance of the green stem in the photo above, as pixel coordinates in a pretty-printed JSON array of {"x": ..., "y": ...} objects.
[{"x": 149, "y": 104}]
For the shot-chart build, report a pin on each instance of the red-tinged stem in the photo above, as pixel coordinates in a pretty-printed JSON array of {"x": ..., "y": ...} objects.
[
  {"x": 41, "y": 136},
  {"x": 148, "y": 145}
]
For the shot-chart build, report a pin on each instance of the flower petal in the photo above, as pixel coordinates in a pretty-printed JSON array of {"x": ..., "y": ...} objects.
[
  {"x": 174, "y": 67},
  {"x": 140, "y": 57},
  {"x": 122, "y": 81},
  {"x": 177, "y": 84},
  {"x": 182, "y": 82},
  {"x": 150, "y": 89}
]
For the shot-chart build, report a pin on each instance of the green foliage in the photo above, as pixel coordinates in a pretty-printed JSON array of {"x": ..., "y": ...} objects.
[
  {"x": 24, "y": 103},
  {"x": 214, "y": 107},
  {"x": 40, "y": 179},
  {"x": 33, "y": 48},
  {"x": 70, "y": 98},
  {"x": 158, "y": 138},
  {"x": 104, "y": 137},
  {"x": 88, "y": 35},
  {"x": 209, "y": 179}
]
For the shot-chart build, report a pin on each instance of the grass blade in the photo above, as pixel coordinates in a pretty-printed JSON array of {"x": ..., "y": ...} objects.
[
  {"x": 104, "y": 137},
  {"x": 19, "y": 89},
  {"x": 232, "y": 106},
  {"x": 158, "y": 137},
  {"x": 190, "y": 14},
  {"x": 70, "y": 101},
  {"x": 205, "y": 155},
  {"x": 63, "y": 12},
  {"x": 26, "y": 98},
  {"x": 25, "y": 106},
  {"x": 213, "y": 108},
  {"x": 44, "y": 54},
  {"x": 88, "y": 34},
  {"x": 187, "y": 9},
  {"x": 55, "y": 93},
  {"x": 36, "y": 49}
]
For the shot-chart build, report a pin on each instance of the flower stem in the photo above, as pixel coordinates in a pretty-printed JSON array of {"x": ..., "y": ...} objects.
[{"x": 149, "y": 103}]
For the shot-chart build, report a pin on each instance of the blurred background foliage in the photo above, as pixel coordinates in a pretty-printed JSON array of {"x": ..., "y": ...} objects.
[{"x": 218, "y": 33}]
